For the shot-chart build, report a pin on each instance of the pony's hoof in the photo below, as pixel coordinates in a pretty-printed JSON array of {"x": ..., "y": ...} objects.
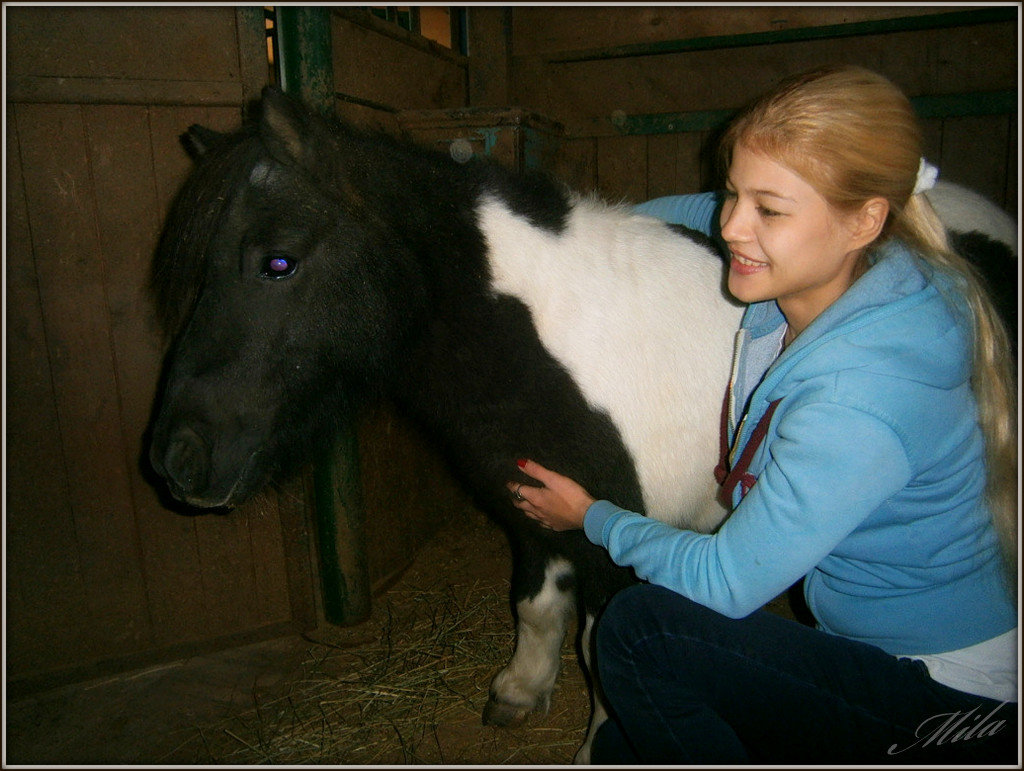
[{"x": 503, "y": 714}]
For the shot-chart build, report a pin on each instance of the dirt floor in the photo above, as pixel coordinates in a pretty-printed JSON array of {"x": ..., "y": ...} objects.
[{"x": 406, "y": 687}]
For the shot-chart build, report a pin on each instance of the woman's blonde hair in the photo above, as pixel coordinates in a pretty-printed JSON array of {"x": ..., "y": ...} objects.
[{"x": 853, "y": 136}]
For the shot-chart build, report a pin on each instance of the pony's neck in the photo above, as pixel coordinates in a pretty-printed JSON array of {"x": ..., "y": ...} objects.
[{"x": 428, "y": 202}]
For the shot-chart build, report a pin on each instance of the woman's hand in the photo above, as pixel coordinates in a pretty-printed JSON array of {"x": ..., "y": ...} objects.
[{"x": 559, "y": 503}]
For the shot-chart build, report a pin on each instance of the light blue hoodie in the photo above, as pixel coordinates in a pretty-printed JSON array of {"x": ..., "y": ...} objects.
[{"x": 870, "y": 479}]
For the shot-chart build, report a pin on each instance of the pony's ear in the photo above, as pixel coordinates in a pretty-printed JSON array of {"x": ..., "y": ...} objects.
[
  {"x": 198, "y": 140},
  {"x": 285, "y": 127}
]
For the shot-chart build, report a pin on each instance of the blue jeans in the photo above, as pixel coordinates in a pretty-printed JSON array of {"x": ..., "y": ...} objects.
[{"x": 687, "y": 685}]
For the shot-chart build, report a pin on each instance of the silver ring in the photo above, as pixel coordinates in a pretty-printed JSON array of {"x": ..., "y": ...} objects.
[{"x": 518, "y": 495}]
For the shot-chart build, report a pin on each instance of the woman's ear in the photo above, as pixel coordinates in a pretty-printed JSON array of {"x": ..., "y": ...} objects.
[{"x": 869, "y": 221}]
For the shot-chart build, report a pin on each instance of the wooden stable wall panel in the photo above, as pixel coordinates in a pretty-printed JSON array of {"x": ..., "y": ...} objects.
[
  {"x": 125, "y": 54},
  {"x": 980, "y": 152},
  {"x": 383, "y": 69},
  {"x": 100, "y": 574},
  {"x": 578, "y": 93},
  {"x": 127, "y": 43},
  {"x": 561, "y": 70},
  {"x": 71, "y": 277},
  {"x": 407, "y": 491}
]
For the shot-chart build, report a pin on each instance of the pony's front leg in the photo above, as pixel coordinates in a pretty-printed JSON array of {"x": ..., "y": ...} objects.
[{"x": 526, "y": 683}]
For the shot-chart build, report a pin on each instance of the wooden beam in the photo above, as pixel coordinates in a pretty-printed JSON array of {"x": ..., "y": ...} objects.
[
  {"x": 828, "y": 31},
  {"x": 963, "y": 105},
  {"x": 927, "y": 106}
]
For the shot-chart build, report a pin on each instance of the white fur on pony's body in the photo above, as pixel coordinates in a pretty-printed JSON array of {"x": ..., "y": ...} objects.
[
  {"x": 613, "y": 297},
  {"x": 962, "y": 210}
]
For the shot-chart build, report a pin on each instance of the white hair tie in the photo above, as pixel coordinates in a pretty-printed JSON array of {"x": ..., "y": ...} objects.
[{"x": 926, "y": 176}]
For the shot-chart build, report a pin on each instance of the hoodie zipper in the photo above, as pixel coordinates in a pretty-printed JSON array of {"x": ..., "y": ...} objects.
[
  {"x": 737, "y": 351},
  {"x": 794, "y": 353}
]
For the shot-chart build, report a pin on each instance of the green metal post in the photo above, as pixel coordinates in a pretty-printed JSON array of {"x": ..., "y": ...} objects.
[{"x": 305, "y": 61}]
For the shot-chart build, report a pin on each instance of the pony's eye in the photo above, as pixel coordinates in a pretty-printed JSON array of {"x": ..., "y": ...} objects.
[{"x": 278, "y": 266}]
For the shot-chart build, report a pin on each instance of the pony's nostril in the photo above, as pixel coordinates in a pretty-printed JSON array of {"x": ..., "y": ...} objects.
[{"x": 186, "y": 463}]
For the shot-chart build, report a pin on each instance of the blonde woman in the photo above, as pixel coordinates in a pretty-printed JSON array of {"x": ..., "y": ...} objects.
[{"x": 870, "y": 450}]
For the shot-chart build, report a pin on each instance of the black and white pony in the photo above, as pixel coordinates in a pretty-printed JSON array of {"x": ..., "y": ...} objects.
[{"x": 304, "y": 261}]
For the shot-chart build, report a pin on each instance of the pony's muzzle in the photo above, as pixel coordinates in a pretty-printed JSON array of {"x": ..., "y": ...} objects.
[
  {"x": 200, "y": 476},
  {"x": 185, "y": 465}
]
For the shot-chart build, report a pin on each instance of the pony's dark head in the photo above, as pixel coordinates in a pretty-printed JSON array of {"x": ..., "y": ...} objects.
[{"x": 281, "y": 289}]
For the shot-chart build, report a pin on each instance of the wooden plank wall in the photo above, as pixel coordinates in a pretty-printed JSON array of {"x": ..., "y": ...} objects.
[
  {"x": 99, "y": 573},
  {"x": 584, "y": 66}
]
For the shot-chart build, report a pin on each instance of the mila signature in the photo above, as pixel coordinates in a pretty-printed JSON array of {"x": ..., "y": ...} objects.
[{"x": 952, "y": 727}]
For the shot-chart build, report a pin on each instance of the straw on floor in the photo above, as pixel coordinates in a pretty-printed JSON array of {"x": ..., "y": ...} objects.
[{"x": 409, "y": 685}]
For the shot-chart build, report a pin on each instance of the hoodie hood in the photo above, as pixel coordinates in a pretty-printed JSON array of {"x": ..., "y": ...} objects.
[{"x": 900, "y": 317}]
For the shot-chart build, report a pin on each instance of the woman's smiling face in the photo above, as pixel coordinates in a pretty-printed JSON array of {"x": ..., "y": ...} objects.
[{"x": 785, "y": 242}]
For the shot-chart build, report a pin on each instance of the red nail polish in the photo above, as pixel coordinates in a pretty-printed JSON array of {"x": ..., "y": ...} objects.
[{"x": 521, "y": 463}]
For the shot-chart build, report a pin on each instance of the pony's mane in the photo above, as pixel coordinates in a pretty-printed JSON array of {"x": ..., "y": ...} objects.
[{"x": 179, "y": 266}]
